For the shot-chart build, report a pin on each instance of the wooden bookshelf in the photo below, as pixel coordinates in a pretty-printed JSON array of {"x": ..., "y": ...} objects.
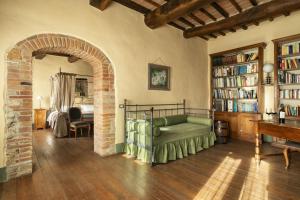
[
  {"x": 247, "y": 63},
  {"x": 287, "y": 48}
]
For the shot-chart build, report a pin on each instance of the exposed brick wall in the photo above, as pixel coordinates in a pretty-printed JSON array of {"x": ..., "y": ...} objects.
[{"x": 18, "y": 98}]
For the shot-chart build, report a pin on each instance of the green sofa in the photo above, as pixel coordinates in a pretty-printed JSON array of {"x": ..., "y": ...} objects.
[{"x": 174, "y": 137}]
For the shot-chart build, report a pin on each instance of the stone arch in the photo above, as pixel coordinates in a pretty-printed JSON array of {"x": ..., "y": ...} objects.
[{"x": 18, "y": 97}]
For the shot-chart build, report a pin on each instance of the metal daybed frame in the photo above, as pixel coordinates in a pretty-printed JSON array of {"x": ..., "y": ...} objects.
[{"x": 151, "y": 111}]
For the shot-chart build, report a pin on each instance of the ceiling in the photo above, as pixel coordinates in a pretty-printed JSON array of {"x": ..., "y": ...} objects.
[{"x": 206, "y": 18}]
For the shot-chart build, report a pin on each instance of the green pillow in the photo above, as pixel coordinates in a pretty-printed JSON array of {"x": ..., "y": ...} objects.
[
  {"x": 144, "y": 128},
  {"x": 176, "y": 119},
  {"x": 199, "y": 120},
  {"x": 159, "y": 122},
  {"x": 131, "y": 125}
]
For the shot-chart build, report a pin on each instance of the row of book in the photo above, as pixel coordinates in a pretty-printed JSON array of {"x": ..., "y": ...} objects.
[
  {"x": 235, "y": 94},
  {"x": 232, "y": 59},
  {"x": 292, "y": 110},
  {"x": 289, "y": 94},
  {"x": 292, "y": 63},
  {"x": 288, "y": 78},
  {"x": 238, "y": 81},
  {"x": 290, "y": 48},
  {"x": 235, "y": 106},
  {"x": 235, "y": 70},
  {"x": 241, "y": 57}
]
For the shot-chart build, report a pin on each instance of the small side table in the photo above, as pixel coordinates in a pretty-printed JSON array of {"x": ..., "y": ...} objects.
[{"x": 222, "y": 131}]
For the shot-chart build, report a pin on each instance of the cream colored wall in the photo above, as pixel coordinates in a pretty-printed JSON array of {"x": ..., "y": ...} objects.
[
  {"x": 49, "y": 66},
  {"x": 122, "y": 35},
  {"x": 265, "y": 32}
]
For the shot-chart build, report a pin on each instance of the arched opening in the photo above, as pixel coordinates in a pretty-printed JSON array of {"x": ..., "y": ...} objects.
[{"x": 18, "y": 97}]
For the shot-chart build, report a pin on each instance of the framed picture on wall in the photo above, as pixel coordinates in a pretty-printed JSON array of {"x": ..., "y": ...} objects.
[
  {"x": 158, "y": 77},
  {"x": 81, "y": 86}
]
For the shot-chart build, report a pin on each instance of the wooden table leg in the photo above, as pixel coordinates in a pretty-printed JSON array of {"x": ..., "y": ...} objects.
[
  {"x": 257, "y": 149},
  {"x": 286, "y": 157}
]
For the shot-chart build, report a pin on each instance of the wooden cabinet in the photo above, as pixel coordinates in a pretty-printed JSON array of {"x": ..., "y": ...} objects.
[
  {"x": 241, "y": 124},
  {"x": 39, "y": 118}
]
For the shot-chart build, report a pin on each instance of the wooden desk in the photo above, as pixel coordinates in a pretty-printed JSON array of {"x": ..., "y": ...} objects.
[{"x": 290, "y": 131}]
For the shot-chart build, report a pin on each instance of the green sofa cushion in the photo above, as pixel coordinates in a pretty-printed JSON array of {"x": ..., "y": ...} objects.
[
  {"x": 199, "y": 120},
  {"x": 176, "y": 119}
]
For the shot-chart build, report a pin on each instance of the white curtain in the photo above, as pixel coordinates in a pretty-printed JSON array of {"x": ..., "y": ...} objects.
[{"x": 62, "y": 90}]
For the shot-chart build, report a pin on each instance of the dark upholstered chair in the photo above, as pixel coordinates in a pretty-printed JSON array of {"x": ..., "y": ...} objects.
[{"x": 75, "y": 121}]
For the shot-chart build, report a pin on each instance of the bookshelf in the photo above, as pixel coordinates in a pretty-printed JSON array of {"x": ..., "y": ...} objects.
[
  {"x": 236, "y": 79},
  {"x": 237, "y": 92},
  {"x": 287, "y": 74}
]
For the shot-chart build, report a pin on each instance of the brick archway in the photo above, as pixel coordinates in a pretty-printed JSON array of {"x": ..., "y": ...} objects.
[{"x": 18, "y": 97}]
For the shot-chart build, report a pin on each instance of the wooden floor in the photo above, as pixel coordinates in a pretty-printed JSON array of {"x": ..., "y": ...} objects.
[{"x": 68, "y": 169}]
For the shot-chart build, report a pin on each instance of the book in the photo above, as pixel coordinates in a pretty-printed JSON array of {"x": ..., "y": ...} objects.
[{"x": 230, "y": 105}]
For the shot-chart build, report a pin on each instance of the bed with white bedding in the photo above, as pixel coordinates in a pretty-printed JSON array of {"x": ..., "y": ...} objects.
[{"x": 58, "y": 121}]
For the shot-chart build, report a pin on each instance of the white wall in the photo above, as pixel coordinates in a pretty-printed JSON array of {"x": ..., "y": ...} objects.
[{"x": 122, "y": 35}]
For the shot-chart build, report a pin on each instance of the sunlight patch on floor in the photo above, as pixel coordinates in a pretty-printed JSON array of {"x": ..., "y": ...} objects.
[
  {"x": 255, "y": 185},
  {"x": 49, "y": 140},
  {"x": 216, "y": 186}
]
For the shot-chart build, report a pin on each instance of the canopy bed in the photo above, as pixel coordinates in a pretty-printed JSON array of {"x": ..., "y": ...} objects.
[
  {"x": 63, "y": 96},
  {"x": 158, "y": 133}
]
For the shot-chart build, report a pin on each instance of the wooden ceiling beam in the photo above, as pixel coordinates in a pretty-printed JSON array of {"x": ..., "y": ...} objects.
[
  {"x": 153, "y": 3},
  {"x": 134, "y": 6},
  {"x": 100, "y": 4},
  {"x": 236, "y": 5},
  {"x": 258, "y": 13},
  {"x": 208, "y": 14},
  {"x": 244, "y": 27},
  {"x": 205, "y": 38},
  {"x": 197, "y": 19},
  {"x": 253, "y": 2},
  {"x": 212, "y": 35},
  {"x": 40, "y": 56},
  {"x": 222, "y": 33},
  {"x": 172, "y": 10},
  {"x": 216, "y": 6},
  {"x": 73, "y": 59},
  {"x": 176, "y": 26},
  {"x": 186, "y": 22}
]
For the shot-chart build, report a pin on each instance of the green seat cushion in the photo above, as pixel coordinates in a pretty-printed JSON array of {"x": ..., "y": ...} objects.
[
  {"x": 181, "y": 131},
  {"x": 176, "y": 119},
  {"x": 199, "y": 120}
]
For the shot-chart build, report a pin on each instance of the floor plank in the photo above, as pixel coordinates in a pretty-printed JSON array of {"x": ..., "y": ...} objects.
[{"x": 69, "y": 169}]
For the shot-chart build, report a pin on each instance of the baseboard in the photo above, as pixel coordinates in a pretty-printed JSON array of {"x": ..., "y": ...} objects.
[
  {"x": 120, "y": 148},
  {"x": 3, "y": 175}
]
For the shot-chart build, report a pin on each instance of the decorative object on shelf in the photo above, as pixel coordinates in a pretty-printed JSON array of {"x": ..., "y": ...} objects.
[
  {"x": 268, "y": 68},
  {"x": 158, "y": 77},
  {"x": 40, "y": 98}
]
